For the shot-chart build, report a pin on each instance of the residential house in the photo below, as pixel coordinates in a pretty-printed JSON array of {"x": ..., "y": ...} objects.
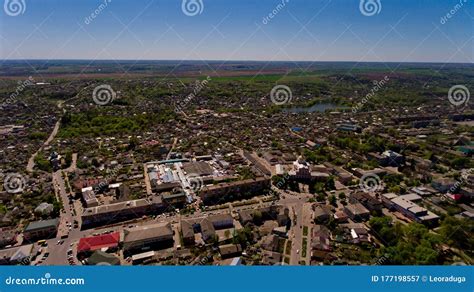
[
  {"x": 367, "y": 200},
  {"x": 230, "y": 250},
  {"x": 357, "y": 212},
  {"x": 187, "y": 233}
]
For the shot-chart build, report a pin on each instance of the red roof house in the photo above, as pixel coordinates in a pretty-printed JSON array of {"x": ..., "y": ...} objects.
[{"x": 98, "y": 242}]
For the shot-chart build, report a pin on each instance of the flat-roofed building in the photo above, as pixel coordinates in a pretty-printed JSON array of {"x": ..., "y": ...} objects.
[
  {"x": 164, "y": 187},
  {"x": 387, "y": 200},
  {"x": 237, "y": 190},
  {"x": 414, "y": 211},
  {"x": 142, "y": 257},
  {"x": 222, "y": 221},
  {"x": 178, "y": 198},
  {"x": 89, "y": 198},
  {"x": 411, "y": 197},
  {"x": 41, "y": 230},
  {"x": 150, "y": 237},
  {"x": 116, "y": 212}
]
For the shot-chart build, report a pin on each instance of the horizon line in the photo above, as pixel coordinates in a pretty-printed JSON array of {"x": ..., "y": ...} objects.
[{"x": 255, "y": 61}]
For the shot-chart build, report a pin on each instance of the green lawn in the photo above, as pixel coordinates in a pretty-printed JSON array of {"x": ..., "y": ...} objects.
[
  {"x": 305, "y": 230},
  {"x": 288, "y": 247},
  {"x": 304, "y": 246}
]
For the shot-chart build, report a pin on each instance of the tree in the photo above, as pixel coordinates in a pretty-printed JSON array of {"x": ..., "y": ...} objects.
[
  {"x": 243, "y": 236},
  {"x": 257, "y": 217},
  {"x": 458, "y": 233},
  {"x": 330, "y": 184},
  {"x": 68, "y": 158},
  {"x": 321, "y": 197},
  {"x": 332, "y": 200},
  {"x": 279, "y": 181},
  {"x": 3, "y": 209},
  {"x": 133, "y": 143}
]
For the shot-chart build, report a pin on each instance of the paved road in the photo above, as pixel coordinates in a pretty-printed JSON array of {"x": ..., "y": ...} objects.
[
  {"x": 58, "y": 253},
  {"x": 301, "y": 215},
  {"x": 31, "y": 161}
]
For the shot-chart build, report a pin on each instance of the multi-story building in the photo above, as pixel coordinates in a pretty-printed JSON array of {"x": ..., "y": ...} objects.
[
  {"x": 222, "y": 221},
  {"x": 234, "y": 190},
  {"x": 89, "y": 198},
  {"x": 369, "y": 201},
  {"x": 413, "y": 211},
  {"x": 41, "y": 230},
  {"x": 116, "y": 212},
  {"x": 303, "y": 171},
  {"x": 187, "y": 232},
  {"x": 357, "y": 212},
  {"x": 174, "y": 198},
  {"x": 151, "y": 237}
]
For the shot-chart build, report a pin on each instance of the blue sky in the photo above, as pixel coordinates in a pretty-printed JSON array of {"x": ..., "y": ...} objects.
[{"x": 311, "y": 30}]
